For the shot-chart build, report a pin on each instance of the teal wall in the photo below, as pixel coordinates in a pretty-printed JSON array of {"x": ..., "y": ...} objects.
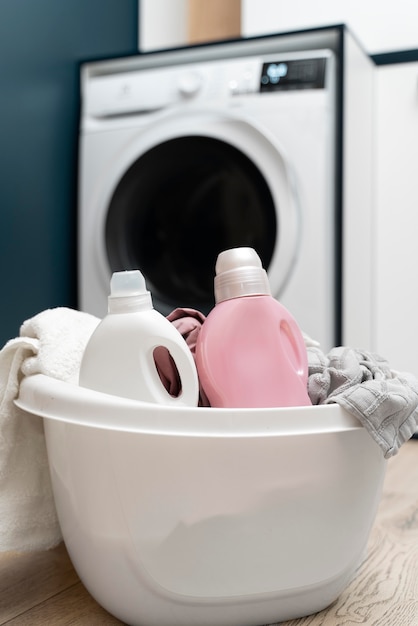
[{"x": 41, "y": 45}]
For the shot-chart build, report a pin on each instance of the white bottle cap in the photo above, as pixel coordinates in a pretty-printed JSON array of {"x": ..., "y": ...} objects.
[
  {"x": 128, "y": 293},
  {"x": 239, "y": 272}
]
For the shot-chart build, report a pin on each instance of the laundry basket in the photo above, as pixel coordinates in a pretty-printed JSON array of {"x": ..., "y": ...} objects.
[{"x": 201, "y": 516}]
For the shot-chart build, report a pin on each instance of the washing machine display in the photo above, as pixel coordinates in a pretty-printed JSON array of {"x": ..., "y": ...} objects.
[
  {"x": 179, "y": 162},
  {"x": 296, "y": 74}
]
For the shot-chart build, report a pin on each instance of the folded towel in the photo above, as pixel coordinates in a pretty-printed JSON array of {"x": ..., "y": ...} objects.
[
  {"x": 385, "y": 401},
  {"x": 50, "y": 343}
]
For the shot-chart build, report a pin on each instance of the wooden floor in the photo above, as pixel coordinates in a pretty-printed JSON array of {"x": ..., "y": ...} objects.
[{"x": 39, "y": 589}]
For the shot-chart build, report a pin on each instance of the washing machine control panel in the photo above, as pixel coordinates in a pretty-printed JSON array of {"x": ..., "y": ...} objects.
[{"x": 147, "y": 90}]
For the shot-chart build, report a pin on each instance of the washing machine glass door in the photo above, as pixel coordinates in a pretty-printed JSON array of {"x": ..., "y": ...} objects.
[{"x": 187, "y": 196}]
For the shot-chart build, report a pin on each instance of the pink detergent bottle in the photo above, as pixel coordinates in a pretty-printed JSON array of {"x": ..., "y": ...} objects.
[{"x": 250, "y": 351}]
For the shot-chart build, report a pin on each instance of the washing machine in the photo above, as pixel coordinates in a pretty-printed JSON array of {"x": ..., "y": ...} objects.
[{"x": 187, "y": 152}]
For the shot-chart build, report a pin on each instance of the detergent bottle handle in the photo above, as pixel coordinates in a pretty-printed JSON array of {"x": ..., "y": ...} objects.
[{"x": 183, "y": 363}]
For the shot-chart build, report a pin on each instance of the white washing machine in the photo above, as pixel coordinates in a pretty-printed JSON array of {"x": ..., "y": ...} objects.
[{"x": 185, "y": 153}]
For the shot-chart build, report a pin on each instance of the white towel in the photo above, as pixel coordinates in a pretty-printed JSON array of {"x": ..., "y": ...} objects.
[{"x": 50, "y": 343}]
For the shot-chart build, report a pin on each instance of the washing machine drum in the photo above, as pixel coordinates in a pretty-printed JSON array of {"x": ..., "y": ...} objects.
[{"x": 177, "y": 206}]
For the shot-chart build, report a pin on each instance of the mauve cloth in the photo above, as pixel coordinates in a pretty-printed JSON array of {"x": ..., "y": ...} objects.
[{"x": 188, "y": 322}]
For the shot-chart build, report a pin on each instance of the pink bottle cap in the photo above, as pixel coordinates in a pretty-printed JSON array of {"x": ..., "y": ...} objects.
[{"x": 239, "y": 272}]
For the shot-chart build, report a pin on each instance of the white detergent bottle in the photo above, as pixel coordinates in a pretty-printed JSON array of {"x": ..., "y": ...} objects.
[
  {"x": 250, "y": 351},
  {"x": 119, "y": 358}
]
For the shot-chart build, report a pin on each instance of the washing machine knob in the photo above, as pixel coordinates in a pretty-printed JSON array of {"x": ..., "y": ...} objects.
[{"x": 190, "y": 84}]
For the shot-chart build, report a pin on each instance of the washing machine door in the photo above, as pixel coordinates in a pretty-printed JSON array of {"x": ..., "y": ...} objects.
[{"x": 189, "y": 185}]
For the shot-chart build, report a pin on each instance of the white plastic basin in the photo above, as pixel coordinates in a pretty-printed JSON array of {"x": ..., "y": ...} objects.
[{"x": 199, "y": 516}]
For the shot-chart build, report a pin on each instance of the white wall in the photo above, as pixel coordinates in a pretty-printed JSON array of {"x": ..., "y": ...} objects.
[
  {"x": 162, "y": 24},
  {"x": 379, "y": 25},
  {"x": 396, "y": 202}
]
